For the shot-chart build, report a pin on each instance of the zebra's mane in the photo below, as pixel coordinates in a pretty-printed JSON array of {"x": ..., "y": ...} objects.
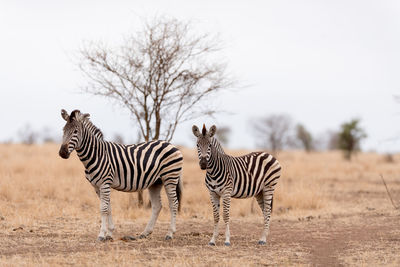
[
  {"x": 217, "y": 145},
  {"x": 88, "y": 125}
]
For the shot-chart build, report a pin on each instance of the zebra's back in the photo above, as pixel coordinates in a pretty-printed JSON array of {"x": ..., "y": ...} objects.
[{"x": 252, "y": 172}]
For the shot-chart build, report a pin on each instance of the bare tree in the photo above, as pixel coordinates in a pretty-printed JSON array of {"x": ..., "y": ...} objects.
[
  {"x": 47, "y": 135},
  {"x": 333, "y": 140},
  {"x": 326, "y": 140},
  {"x": 304, "y": 137},
  {"x": 27, "y": 135},
  {"x": 274, "y": 132},
  {"x": 160, "y": 74}
]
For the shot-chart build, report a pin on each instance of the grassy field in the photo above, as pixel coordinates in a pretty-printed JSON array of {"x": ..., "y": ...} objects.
[{"x": 326, "y": 212}]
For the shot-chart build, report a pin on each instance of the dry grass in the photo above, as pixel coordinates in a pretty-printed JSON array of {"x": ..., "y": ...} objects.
[
  {"x": 39, "y": 191},
  {"x": 37, "y": 181},
  {"x": 376, "y": 253}
]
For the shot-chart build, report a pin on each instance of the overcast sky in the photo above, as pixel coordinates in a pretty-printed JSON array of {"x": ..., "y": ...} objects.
[{"x": 322, "y": 62}]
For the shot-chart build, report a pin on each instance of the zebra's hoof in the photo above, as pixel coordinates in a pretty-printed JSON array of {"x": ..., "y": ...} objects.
[
  {"x": 168, "y": 237},
  {"x": 142, "y": 236},
  {"x": 228, "y": 244},
  {"x": 261, "y": 242},
  {"x": 109, "y": 238},
  {"x": 101, "y": 239},
  {"x": 211, "y": 244},
  {"x": 128, "y": 238}
]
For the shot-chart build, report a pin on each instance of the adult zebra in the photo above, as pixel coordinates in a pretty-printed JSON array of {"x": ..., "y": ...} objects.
[
  {"x": 254, "y": 174},
  {"x": 125, "y": 168}
]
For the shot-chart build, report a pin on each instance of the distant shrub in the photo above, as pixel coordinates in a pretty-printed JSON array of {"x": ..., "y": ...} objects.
[
  {"x": 388, "y": 158},
  {"x": 350, "y": 136}
]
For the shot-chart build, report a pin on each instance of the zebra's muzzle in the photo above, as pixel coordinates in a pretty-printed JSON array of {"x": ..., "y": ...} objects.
[
  {"x": 64, "y": 152},
  {"x": 203, "y": 163}
]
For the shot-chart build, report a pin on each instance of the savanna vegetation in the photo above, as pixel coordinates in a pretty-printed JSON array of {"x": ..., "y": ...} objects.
[{"x": 327, "y": 210}]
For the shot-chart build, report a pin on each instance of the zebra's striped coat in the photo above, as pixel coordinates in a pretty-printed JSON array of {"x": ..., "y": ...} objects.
[
  {"x": 251, "y": 175},
  {"x": 125, "y": 168}
]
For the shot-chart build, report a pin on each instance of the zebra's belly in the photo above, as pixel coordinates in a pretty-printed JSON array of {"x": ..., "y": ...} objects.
[
  {"x": 242, "y": 196},
  {"x": 123, "y": 188},
  {"x": 133, "y": 183},
  {"x": 245, "y": 192}
]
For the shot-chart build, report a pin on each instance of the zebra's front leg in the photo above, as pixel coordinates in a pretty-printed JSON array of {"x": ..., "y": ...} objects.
[
  {"x": 264, "y": 200},
  {"x": 215, "y": 199},
  {"x": 105, "y": 212},
  {"x": 226, "y": 201},
  {"x": 111, "y": 227}
]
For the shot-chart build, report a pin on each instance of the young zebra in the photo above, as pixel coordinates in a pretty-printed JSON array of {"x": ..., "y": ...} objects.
[
  {"x": 125, "y": 168},
  {"x": 251, "y": 175}
]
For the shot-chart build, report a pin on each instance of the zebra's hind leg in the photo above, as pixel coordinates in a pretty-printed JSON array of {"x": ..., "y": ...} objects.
[
  {"x": 264, "y": 200},
  {"x": 215, "y": 201},
  {"x": 155, "y": 200},
  {"x": 170, "y": 189}
]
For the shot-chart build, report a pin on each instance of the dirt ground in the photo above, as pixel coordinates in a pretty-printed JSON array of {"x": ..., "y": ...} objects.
[
  {"x": 327, "y": 212},
  {"x": 309, "y": 241}
]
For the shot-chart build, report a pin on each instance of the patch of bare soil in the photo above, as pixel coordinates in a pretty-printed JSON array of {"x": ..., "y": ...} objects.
[{"x": 309, "y": 240}]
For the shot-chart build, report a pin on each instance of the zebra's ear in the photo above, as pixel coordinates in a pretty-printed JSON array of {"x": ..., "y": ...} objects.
[
  {"x": 74, "y": 115},
  {"x": 85, "y": 115},
  {"x": 64, "y": 114},
  {"x": 212, "y": 131},
  {"x": 196, "y": 131}
]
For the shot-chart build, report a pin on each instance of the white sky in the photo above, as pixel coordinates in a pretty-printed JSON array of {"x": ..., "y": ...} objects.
[{"x": 322, "y": 62}]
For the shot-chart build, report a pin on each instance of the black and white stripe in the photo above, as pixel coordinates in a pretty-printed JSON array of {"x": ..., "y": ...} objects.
[
  {"x": 251, "y": 175},
  {"x": 125, "y": 168}
]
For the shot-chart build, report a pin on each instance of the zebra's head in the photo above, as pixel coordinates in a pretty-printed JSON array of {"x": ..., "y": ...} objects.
[
  {"x": 204, "y": 144},
  {"x": 72, "y": 131}
]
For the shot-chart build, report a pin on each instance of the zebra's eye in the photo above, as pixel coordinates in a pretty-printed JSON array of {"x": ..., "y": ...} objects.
[{"x": 76, "y": 131}]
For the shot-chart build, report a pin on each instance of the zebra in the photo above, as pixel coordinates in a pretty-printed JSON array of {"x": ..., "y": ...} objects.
[
  {"x": 125, "y": 168},
  {"x": 251, "y": 175}
]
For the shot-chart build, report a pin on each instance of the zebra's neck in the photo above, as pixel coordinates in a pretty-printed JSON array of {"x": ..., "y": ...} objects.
[
  {"x": 217, "y": 145},
  {"x": 92, "y": 145},
  {"x": 88, "y": 126},
  {"x": 217, "y": 155}
]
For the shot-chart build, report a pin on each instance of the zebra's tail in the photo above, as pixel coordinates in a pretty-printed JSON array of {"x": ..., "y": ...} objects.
[
  {"x": 272, "y": 204},
  {"x": 179, "y": 189}
]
